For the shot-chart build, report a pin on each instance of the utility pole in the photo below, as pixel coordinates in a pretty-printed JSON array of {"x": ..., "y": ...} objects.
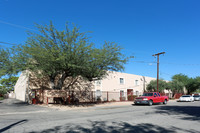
[
  {"x": 144, "y": 83},
  {"x": 158, "y": 66}
]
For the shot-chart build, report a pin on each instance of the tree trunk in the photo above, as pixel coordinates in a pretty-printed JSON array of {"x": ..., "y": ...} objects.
[
  {"x": 61, "y": 81},
  {"x": 72, "y": 82},
  {"x": 188, "y": 91}
]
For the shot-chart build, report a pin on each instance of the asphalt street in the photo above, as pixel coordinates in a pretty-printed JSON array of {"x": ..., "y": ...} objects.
[{"x": 175, "y": 117}]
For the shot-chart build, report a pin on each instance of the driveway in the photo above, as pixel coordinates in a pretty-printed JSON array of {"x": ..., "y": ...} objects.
[
  {"x": 13, "y": 106},
  {"x": 115, "y": 118}
]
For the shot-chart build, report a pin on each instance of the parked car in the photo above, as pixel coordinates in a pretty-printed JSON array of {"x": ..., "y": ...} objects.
[
  {"x": 151, "y": 98},
  {"x": 186, "y": 98},
  {"x": 196, "y": 97}
]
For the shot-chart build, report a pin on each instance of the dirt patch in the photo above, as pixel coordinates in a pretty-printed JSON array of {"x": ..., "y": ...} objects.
[{"x": 85, "y": 106}]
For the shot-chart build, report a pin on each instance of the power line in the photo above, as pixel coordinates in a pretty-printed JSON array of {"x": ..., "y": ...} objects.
[
  {"x": 8, "y": 43},
  {"x": 15, "y": 25},
  {"x": 169, "y": 63},
  {"x": 180, "y": 64},
  {"x": 165, "y": 73},
  {"x": 143, "y": 62}
]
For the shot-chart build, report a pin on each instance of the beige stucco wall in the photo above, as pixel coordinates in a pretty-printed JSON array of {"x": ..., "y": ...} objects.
[
  {"x": 21, "y": 86},
  {"x": 112, "y": 82}
]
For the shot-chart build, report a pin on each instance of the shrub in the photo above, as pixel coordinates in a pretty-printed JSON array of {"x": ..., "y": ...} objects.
[
  {"x": 1, "y": 98},
  {"x": 131, "y": 97},
  {"x": 113, "y": 100}
]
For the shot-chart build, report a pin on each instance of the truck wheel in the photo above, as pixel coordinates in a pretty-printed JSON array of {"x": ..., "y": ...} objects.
[
  {"x": 150, "y": 102},
  {"x": 165, "y": 102}
]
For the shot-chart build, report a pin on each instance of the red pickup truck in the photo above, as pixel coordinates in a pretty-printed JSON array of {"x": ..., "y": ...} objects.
[{"x": 151, "y": 98}]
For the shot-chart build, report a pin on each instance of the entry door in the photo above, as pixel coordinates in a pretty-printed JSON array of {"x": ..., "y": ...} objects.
[{"x": 130, "y": 94}]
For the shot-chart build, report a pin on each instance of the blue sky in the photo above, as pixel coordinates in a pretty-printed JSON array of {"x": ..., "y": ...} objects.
[{"x": 141, "y": 27}]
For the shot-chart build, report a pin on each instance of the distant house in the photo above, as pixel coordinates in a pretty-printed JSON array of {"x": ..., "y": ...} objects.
[{"x": 115, "y": 86}]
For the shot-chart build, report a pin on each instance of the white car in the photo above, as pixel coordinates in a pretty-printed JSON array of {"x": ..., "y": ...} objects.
[
  {"x": 186, "y": 98},
  {"x": 196, "y": 97}
]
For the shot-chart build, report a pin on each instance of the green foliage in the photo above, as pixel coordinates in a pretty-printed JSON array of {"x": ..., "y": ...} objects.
[
  {"x": 132, "y": 97},
  {"x": 1, "y": 98},
  {"x": 181, "y": 78},
  {"x": 176, "y": 86},
  {"x": 67, "y": 53},
  {"x": 197, "y": 91},
  {"x": 3, "y": 90},
  {"x": 191, "y": 84},
  {"x": 162, "y": 85},
  {"x": 8, "y": 84},
  {"x": 5, "y": 63}
]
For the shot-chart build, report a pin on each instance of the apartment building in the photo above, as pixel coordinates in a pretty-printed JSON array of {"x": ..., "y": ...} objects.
[{"x": 114, "y": 86}]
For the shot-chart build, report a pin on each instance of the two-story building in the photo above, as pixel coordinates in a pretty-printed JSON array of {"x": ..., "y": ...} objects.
[{"x": 116, "y": 86}]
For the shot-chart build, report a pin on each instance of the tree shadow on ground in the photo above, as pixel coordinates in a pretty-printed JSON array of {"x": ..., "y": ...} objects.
[
  {"x": 18, "y": 103},
  {"x": 12, "y": 125},
  {"x": 21, "y": 103},
  {"x": 189, "y": 112},
  {"x": 114, "y": 127},
  {"x": 14, "y": 102}
]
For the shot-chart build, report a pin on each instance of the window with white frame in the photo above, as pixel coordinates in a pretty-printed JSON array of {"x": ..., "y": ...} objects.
[
  {"x": 136, "y": 82},
  {"x": 121, "y": 80}
]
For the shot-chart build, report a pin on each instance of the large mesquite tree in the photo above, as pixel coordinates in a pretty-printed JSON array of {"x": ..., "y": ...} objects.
[{"x": 59, "y": 55}]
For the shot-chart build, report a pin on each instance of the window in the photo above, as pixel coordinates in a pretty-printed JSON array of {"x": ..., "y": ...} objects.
[
  {"x": 136, "y": 82},
  {"x": 186, "y": 96},
  {"x": 137, "y": 93},
  {"x": 121, "y": 80},
  {"x": 147, "y": 94},
  {"x": 98, "y": 93},
  {"x": 121, "y": 93},
  {"x": 98, "y": 83}
]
